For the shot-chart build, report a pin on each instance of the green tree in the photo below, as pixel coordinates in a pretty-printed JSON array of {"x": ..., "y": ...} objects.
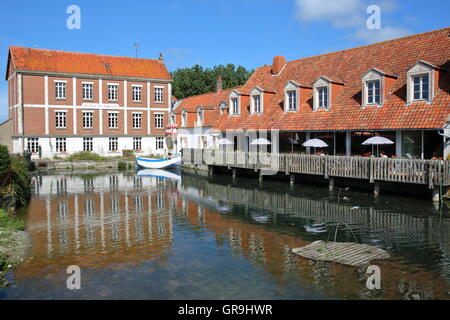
[{"x": 196, "y": 80}]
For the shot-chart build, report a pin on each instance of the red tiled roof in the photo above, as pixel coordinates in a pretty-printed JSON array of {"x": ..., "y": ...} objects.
[
  {"x": 30, "y": 59},
  {"x": 209, "y": 101},
  {"x": 393, "y": 57}
]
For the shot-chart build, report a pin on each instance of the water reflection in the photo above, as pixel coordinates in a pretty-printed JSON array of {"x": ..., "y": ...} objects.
[{"x": 166, "y": 236}]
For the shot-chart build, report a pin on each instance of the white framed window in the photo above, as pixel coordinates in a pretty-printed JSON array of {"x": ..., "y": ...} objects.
[
  {"x": 322, "y": 94},
  {"x": 137, "y": 144},
  {"x": 374, "y": 92},
  {"x": 113, "y": 91},
  {"x": 184, "y": 119},
  {"x": 61, "y": 146},
  {"x": 61, "y": 119},
  {"x": 137, "y": 120},
  {"x": 88, "y": 91},
  {"x": 137, "y": 93},
  {"x": 292, "y": 100},
  {"x": 159, "y": 94},
  {"x": 159, "y": 121},
  {"x": 88, "y": 144},
  {"x": 159, "y": 143},
  {"x": 235, "y": 106},
  {"x": 420, "y": 82},
  {"x": 113, "y": 120},
  {"x": 421, "y": 87},
  {"x": 60, "y": 88},
  {"x": 256, "y": 103},
  {"x": 88, "y": 119},
  {"x": 33, "y": 145},
  {"x": 113, "y": 144}
]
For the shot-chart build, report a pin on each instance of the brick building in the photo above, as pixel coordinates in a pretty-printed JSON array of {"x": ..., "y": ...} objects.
[
  {"x": 398, "y": 89},
  {"x": 66, "y": 102}
]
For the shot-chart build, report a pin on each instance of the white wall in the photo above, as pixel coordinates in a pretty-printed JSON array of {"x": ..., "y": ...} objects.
[{"x": 100, "y": 146}]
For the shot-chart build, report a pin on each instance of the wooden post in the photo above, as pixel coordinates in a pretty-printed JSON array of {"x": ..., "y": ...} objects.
[
  {"x": 331, "y": 184},
  {"x": 234, "y": 173},
  {"x": 376, "y": 189},
  {"x": 210, "y": 171},
  {"x": 260, "y": 176},
  {"x": 292, "y": 179}
]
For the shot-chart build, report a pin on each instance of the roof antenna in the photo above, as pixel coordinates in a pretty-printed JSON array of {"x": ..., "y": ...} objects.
[{"x": 137, "y": 45}]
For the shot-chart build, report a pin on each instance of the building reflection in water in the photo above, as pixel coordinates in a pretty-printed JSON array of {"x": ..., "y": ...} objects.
[{"x": 105, "y": 220}]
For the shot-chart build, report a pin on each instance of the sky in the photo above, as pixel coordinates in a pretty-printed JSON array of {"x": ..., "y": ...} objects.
[{"x": 211, "y": 32}]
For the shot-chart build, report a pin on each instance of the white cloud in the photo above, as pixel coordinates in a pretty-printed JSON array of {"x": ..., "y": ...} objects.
[
  {"x": 350, "y": 14},
  {"x": 340, "y": 13},
  {"x": 383, "y": 34}
]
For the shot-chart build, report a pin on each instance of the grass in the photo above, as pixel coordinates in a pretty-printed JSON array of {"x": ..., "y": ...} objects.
[
  {"x": 86, "y": 156},
  {"x": 10, "y": 223}
]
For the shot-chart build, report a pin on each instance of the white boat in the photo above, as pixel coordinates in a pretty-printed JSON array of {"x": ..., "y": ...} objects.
[{"x": 159, "y": 163}]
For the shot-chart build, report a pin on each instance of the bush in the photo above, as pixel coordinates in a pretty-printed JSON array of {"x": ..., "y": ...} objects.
[
  {"x": 21, "y": 178},
  {"x": 122, "y": 166},
  {"x": 86, "y": 156},
  {"x": 5, "y": 159}
]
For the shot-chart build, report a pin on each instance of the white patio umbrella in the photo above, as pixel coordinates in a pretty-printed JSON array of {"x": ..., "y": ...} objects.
[
  {"x": 224, "y": 141},
  {"x": 261, "y": 141},
  {"x": 315, "y": 143},
  {"x": 377, "y": 141}
]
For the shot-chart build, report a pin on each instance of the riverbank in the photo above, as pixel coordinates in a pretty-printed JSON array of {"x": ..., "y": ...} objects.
[
  {"x": 57, "y": 165},
  {"x": 15, "y": 243}
]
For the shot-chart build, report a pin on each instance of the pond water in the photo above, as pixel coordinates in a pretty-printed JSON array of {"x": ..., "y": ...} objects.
[{"x": 167, "y": 235}]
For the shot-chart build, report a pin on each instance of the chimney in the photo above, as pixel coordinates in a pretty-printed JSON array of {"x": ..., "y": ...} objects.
[
  {"x": 161, "y": 58},
  {"x": 278, "y": 64},
  {"x": 219, "y": 84}
]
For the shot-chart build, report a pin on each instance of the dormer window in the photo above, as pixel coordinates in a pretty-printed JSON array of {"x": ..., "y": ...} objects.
[
  {"x": 256, "y": 102},
  {"x": 235, "y": 101},
  {"x": 420, "y": 82},
  {"x": 200, "y": 116},
  {"x": 376, "y": 84},
  {"x": 223, "y": 106},
  {"x": 291, "y": 96},
  {"x": 322, "y": 95}
]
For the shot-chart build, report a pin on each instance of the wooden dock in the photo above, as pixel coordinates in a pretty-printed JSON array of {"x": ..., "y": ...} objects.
[{"x": 431, "y": 173}]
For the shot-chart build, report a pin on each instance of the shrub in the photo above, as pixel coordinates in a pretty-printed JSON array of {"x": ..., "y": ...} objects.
[
  {"x": 122, "y": 166},
  {"x": 5, "y": 159},
  {"x": 86, "y": 156},
  {"x": 21, "y": 178}
]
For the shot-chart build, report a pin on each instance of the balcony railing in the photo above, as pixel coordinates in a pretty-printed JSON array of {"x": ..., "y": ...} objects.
[{"x": 433, "y": 173}]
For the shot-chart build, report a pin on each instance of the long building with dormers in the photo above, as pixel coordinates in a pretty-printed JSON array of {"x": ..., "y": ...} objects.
[
  {"x": 398, "y": 89},
  {"x": 62, "y": 103}
]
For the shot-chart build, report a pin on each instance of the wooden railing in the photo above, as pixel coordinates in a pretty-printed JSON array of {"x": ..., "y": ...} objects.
[{"x": 433, "y": 173}]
